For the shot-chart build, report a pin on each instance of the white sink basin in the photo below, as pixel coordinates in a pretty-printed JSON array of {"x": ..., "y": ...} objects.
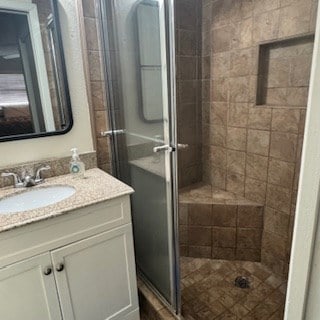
[{"x": 35, "y": 198}]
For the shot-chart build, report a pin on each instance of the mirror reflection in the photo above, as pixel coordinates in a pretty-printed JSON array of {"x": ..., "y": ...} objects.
[{"x": 34, "y": 98}]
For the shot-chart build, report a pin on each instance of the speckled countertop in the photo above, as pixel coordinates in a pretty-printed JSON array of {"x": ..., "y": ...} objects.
[{"x": 97, "y": 186}]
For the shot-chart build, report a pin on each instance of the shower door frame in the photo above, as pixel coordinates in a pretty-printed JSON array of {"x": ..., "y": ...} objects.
[{"x": 172, "y": 206}]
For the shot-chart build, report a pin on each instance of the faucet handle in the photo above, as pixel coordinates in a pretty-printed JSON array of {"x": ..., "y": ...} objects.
[
  {"x": 16, "y": 178},
  {"x": 38, "y": 178}
]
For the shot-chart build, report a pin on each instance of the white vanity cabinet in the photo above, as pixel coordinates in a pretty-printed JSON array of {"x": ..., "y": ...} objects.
[
  {"x": 79, "y": 266},
  {"x": 27, "y": 293}
]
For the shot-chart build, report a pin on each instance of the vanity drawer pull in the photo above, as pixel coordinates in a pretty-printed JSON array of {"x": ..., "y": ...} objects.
[
  {"x": 60, "y": 267},
  {"x": 47, "y": 271}
]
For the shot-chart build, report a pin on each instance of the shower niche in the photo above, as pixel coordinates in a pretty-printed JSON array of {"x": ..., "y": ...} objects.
[{"x": 284, "y": 72}]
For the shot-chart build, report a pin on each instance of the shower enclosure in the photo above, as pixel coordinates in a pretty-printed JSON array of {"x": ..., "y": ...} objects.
[
  {"x": 242, "y": 71},
  {"x": 139, "y": 46}
]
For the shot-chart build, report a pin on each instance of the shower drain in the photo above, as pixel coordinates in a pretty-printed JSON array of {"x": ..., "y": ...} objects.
[{"x": 242, "y": 282}]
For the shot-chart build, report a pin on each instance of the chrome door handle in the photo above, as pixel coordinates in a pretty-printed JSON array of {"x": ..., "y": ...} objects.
[
  {"x": 165, "y": 147},
  {"x": 181, "y": 146},
  {"x": 110, "y": 133}
]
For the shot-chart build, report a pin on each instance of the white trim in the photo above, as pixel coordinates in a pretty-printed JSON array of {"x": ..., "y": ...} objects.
[
  {"x": 306, "y": 219},
  {"x": 30, "y": 10}
]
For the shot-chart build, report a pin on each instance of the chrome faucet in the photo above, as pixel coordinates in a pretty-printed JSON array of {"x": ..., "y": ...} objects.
[
  {"x": 38, "y": 178},
  {"x": 16, "y": 179},
  {"x": 27, "y": 180}
]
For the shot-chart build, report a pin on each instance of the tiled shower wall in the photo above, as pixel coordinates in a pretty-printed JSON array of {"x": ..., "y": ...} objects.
[
  {"x": 96, "y": 82},
  {"x": 188, "y": 63},
  {"x": 253, "y": 150}
]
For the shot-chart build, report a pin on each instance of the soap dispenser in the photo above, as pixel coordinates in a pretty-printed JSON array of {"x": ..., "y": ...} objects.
[{"x": 77, "y": 167}]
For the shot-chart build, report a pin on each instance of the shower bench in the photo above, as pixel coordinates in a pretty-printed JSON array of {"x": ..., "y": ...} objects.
[{"x": 218, "y": 224}]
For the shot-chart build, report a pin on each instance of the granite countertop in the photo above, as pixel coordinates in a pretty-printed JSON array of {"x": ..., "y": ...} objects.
[{"x": 97, "y": 186}]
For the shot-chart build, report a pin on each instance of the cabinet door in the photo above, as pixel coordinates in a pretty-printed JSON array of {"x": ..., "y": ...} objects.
[
  {"x": 96, "y": 277},
  {"x": 27, "y": 293}
]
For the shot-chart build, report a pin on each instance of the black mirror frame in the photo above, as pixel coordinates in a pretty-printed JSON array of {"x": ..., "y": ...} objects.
[{"x": 54, "y": 5}]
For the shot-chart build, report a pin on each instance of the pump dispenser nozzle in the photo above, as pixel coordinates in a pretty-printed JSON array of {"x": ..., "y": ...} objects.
[{"x": 75, "y": 155}]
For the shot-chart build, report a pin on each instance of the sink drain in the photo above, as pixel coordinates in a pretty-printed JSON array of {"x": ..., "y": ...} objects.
[{"x": 242, "y": 282}]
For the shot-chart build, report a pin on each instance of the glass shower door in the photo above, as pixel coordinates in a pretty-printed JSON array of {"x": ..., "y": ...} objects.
[{"x": 141, "y": 87}]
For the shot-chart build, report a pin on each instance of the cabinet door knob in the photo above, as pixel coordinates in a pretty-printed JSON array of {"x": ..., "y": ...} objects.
[
  {"x": 47, "y": 271},
  {"x": 60, "y": 267}
]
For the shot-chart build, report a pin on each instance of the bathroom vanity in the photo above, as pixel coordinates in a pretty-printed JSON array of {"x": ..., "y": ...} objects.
[{"x": 73, "y": 259}]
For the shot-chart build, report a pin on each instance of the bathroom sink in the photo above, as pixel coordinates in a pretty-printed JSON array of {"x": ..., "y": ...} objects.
[{"x": 35, "y": 198}]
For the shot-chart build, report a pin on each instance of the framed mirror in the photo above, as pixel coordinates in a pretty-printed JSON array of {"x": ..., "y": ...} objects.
[{"x": 34, "y": 94}]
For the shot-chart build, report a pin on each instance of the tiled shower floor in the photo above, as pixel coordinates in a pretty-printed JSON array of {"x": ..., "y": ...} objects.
[{"x": 208, "y": 291}]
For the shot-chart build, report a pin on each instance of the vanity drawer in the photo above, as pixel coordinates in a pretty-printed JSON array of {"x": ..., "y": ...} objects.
[{"x": 38, "y": 237}]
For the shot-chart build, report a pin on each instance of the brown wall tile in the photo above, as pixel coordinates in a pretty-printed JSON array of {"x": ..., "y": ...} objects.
[
  {"x": 238, "y": 115},
  {"x": 199, "y": 251},
  {"x": 256, "y": 166},
  {"x": 95, "y": 67},
  {"x": 239, "y": 89},
  {"x": 187, "y": 42},
  {"x": 183, "y": 235},
  {"x": 218, "y": 136},
  {"x": 247, "y": 254},
  {"x": 218, "y": 156},
  {"x": 236, "y": 161},
  {"x": 295, "y": 19},
  {"x": 183, "y": 214},
  {"x": 199, "y": 236},
  {"x": 200, "y": 214},
  {"x": 285, "y": 120},
  {"x": 258, "y": 142},
  {"x": 220, "y": 90},
  {"x": 266, "y": 26},
  {"x": 91, "y": 33},
  {"x": 236, "y": 138},
  {"x": 276, "y": 222},
  {"x": 223, "y": 253},
  {"x": 219, "y": 180},
  {"x": 249, "y": 238},
  {"x": 281, "y": 173},
  {"x": 278, "y": 198},
  {"x": 220, "y": 64},
  {"x": 275, "y": 244},
  {"x": 241, "y": 62},
  {"x": 221, "y": 39},
  {"x": 283, "y": 146},
  {"x": 235, "y": 183},
  {"x": 224, "y": 215},
  {"x": 89, "y": 8},
  {"x": 259, "y": 118},
  {"x": 219, "y": 112},
  {"x": 276, "y": 97},
  {"x": 224, "y": 237},
  {"x": 278, "y": 73},
  {"x": 100, "y": 122},
  {"x": 255, "y": 190},
  {"x": 250, "y": 217}
]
